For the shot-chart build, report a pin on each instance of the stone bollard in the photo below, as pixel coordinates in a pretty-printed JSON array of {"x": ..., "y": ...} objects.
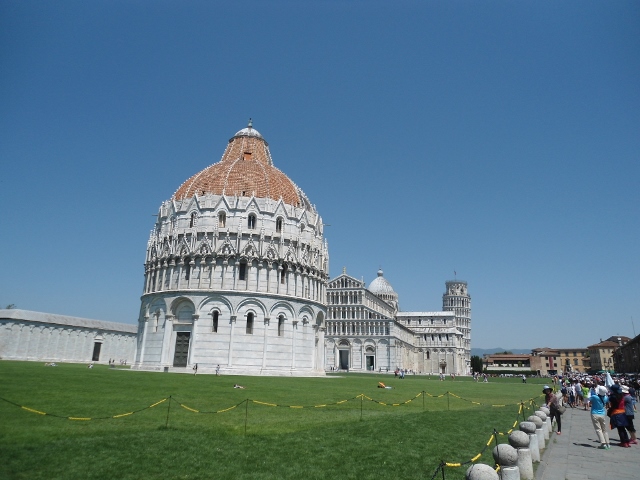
[
  {"x": 545, "y": 427},
  {"x": 480, "y": 471},
  {"x": 507, "y": 457},
  {"x": 530, "y": 429},
  {"x": 548, "y": 413},
  {"x": 520, "y": 441},
  {"x": 539, "y": 432}
]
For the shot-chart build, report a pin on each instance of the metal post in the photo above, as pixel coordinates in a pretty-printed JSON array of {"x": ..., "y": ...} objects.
[
  {"x": 448, "y": 400},
  {"x": 246, "y": 415},
  {"x": 166, "y": 425}
]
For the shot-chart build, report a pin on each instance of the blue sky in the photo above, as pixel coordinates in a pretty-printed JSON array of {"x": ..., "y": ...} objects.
[{"x": 496, "y": 139}]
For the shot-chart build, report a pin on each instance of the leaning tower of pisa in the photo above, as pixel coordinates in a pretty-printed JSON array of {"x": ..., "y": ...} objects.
[{"x": 456, "y": 299}]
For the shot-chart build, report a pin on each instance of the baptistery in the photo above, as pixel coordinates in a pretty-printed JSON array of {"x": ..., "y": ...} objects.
[{"x": 236, "y": 271}]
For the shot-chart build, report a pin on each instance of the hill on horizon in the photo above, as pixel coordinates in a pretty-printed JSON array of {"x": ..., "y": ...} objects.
[{"x": 482, "y": 351}]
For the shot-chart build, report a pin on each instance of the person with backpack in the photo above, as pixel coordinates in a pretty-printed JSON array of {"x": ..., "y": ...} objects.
[
  {"x": 598, "y": 400},
  {"x": 617, "y": 415},
  {"x": 629, "y": 413}
]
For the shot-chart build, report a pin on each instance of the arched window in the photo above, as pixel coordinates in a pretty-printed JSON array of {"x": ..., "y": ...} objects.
[
  {"x": 283, "y": 274},
  {"x": 194, "y": 220},
  {"x": 250, "y": 323},
  {"x": 428, "y": 355},
  {"x": 222, "y": 219},
  {"x": 242, "y": 271},
  {"x": 251, "y": 222},
  {"x": 280, "y": 326},
  {"x": 214, "y": 325},
  {"x": 279, "y": 224}
]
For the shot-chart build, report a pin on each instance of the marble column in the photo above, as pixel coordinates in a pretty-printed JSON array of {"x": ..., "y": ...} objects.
[{"x": 230, "y": 357}]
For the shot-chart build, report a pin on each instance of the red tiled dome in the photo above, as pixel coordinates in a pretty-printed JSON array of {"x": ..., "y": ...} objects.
[{"x": 246, "y": 169}]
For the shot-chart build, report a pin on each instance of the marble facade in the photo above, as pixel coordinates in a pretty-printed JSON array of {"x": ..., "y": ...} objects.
[{"x": 37, "y": 336}]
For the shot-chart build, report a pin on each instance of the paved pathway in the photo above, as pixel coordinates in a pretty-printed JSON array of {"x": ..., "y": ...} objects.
[{"x": 575, "y": 455}]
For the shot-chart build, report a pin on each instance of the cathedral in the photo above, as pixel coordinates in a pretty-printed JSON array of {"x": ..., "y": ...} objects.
[
  {"x": 366, "y": 330},
  {"x": 236, "y": 281}
]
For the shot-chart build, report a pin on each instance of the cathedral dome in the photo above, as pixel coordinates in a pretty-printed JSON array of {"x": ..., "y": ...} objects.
[
  {"x": 381, "y": 285},
  {"x": 246, "y": 169}
]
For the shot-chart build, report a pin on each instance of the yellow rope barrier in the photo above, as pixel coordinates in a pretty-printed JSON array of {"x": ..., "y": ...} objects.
[
  {"x": 361, "y": 396},
  {"x": 33, "y": 411}
]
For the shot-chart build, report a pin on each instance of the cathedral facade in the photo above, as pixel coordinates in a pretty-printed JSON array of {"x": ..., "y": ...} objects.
[
  {"x": 236, "y": 272},
  {"x": 366, "y": 331}
]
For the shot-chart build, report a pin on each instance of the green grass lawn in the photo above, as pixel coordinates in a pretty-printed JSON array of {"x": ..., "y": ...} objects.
[{"x": 358, "y": 438}]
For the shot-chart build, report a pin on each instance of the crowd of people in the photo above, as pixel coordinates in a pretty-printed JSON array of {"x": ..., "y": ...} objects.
[{"x": 604, "y": 398}]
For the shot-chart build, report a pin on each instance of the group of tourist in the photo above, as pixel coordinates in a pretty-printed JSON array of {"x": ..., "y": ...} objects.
[
  {"x": 112, "y": 361},
  {"x": 617, "y": 402},
  {"x": 477, "y": 376}
]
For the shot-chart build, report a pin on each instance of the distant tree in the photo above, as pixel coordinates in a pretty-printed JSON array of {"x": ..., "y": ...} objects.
[
  {"x": 476, "y": 363},
  {"x": 11, "y": 306},
  {"x": 506, "y": 352}
]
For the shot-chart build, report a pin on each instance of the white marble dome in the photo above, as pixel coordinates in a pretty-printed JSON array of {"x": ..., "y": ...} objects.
[{"x": 381, "y": 287}]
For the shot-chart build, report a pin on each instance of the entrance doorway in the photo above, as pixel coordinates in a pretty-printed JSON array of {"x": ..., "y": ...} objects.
[
  {"x": 371, "y": 362},
  {"x": 181, "y": 355},
  {"x": 96, "y": 352},
  {"x": 344, "y": 360},
  {"x": 443, "y": 366}
]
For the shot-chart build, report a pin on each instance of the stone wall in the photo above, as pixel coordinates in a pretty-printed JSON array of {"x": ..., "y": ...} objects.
[{"x": 36, "y": 336}]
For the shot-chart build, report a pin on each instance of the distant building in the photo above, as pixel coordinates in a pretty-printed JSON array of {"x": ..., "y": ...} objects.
[
  {"x": 507, "y": 363},
  {"x": 601, "y": 354},
  {"x": 47, "y": 337},
  {"x": 544, "y": 361},
  {"x": 573, "y": 360},
  {"x": 554, "y": 361},
  {"x": 626, "y": 357},
  {"x": 367, "y": 332}
]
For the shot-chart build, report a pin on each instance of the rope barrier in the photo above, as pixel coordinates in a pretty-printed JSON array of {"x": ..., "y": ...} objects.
[
  {"x": 121, "y": 415},
  {"x": 360, "y": 397}
]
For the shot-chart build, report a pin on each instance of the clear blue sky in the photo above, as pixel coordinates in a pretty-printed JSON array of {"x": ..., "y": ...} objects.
[{"x": 497, "y": 139}]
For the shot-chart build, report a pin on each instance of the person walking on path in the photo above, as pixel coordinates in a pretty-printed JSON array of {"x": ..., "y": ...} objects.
[
  {"x": 629, "y": 413},
  {"x": 598, "y": 400},
  {"x": 552, "y": 402},
  {"x": 618, "y": 415}
]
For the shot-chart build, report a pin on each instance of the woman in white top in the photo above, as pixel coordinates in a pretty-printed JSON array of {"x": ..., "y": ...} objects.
[{"x": 598, "y": 400}]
